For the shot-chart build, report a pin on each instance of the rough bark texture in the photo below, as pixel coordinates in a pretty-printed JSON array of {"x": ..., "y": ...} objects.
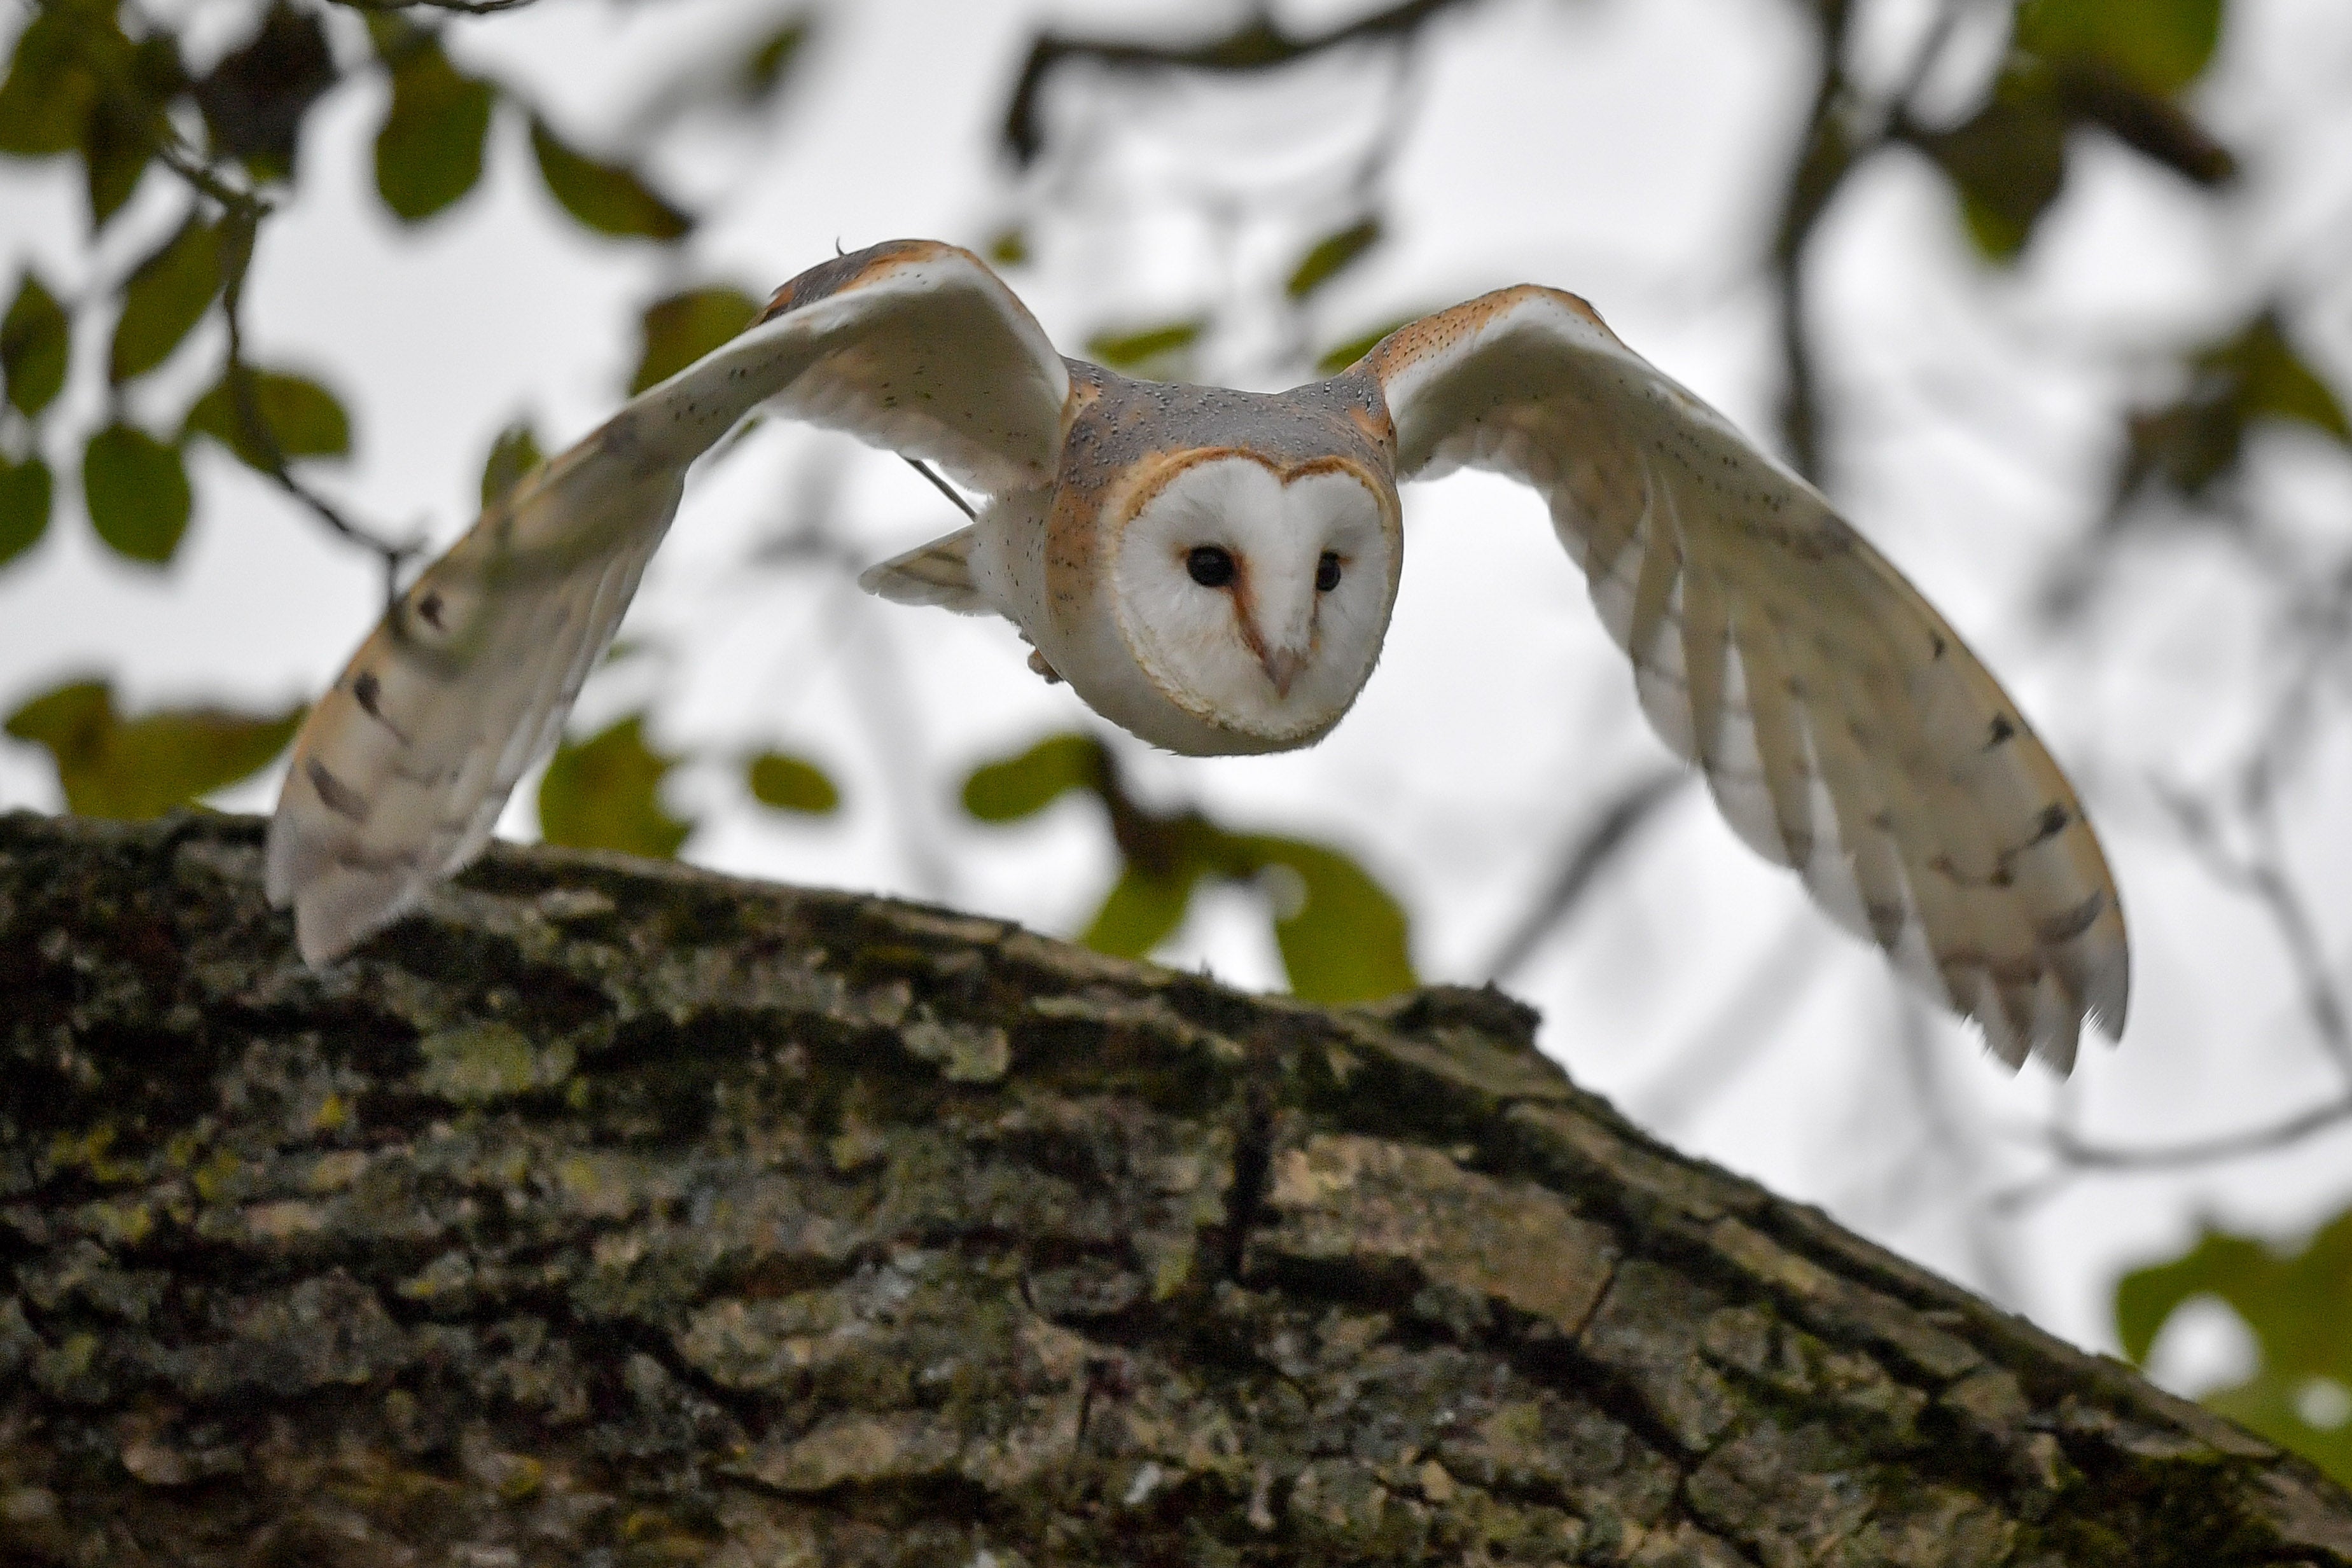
[{"x": 613, "y": 1214}]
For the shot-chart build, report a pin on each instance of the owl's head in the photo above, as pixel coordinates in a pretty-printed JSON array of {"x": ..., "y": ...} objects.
[{"x": 1256, "y": 601}]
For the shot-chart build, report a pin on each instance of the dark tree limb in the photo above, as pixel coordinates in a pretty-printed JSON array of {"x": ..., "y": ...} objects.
[
  {"x": 1260, "y": 44},
  {"x": 614, "y": 1213}
]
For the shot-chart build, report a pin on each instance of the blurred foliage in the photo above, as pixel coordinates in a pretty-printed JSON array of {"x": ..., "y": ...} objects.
[
  {"x": 767, "y": 63},
  {"x": 35, "y": 342},
  {"x": 605, "y": 793},
  {"x": 2162, "y": 45},
  {"x": 78, "y": 83},
  {"x": 514, "y": 452},
  {"x": 1159, "y": 353},
  {"x": 1015, "y": 787},
  {"x": 26, "y": 491},
  {"x": 741, "y": 78},
  {"x": 167, "y": 296},
  {"x": 1339, "y": 356},
  {"x": 105, "y": 84},
  {"x": 2298, "y": 1307},
  {"x": 1331, "y": 256},
  {"x": 256, "y": 98},
  {"x": 791, "y": 783},
  {"x": 428, "y": 151},
  {"x": 681, "y": 328},
  {"x": 135, "y": 768},
  {"x": 1342, "y": 937},
  {"x": 299, "y": 419},
  {"x": 1009, "y": 248},
  {"x": 136, "y": 488},
  {"x": 2255, "y": 373},
  {"x": 2115, "y": 64},
  {"x": 606, "y": 197}
]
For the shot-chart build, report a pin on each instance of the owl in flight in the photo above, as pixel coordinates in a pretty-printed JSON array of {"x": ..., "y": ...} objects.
[{"x": 1212, "y": 571}]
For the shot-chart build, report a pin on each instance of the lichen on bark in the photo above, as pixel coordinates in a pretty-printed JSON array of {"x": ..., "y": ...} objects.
[{"x": 609, "y": 1213}]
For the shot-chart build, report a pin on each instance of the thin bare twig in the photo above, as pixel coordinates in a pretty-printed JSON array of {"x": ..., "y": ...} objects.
[
  {"x": 2261, "y": 874},
  {"x": 1586, "y": 858},
  {"x": 1742, "y": 1024},
  {"x": 2267, "y": 1138},
  {"x": 239, "y": 226},
  {"x": 1839, "y": 138},
  {"x": 942, "y": 486},
  {"x": 461, "y": 7}
]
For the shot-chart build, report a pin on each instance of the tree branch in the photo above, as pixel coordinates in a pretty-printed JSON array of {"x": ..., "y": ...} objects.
[
  {"x": 1259, "y": 45},
  {"x": 614, "y": 1209},
  {"x": 239, "y": 229},
  {"x": 461, "y": 7}
]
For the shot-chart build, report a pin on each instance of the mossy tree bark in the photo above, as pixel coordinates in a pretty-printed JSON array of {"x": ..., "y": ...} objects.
[{"x": 614, "y": 1213}]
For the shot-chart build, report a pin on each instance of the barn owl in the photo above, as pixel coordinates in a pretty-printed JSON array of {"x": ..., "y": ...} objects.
[{"x": 1213, "y": 571}]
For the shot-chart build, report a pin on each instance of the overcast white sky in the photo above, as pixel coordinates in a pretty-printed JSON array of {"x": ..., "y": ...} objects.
[{"x": 1632, "y": 153}]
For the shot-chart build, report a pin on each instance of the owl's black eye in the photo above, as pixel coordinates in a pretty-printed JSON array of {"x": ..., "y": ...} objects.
[
  {"x": 1326, "y": 572},
  {"x": 1211, "y": 566}
]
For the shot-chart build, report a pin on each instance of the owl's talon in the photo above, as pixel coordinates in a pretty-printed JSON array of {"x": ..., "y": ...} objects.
[{"x": 1038, "y": 663}]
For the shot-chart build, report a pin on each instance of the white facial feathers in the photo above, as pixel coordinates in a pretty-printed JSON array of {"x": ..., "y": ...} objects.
[{"x": 1256, "y": 601}]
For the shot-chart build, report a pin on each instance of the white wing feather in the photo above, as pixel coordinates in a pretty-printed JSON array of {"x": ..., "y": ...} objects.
[
  {"x": 1843, "y": 729},
  {"x": 403, "y": 768}
]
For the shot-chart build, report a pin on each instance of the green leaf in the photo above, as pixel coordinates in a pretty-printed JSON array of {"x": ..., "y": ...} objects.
[
  {"x": 137, "y": 83},
  {"x": 2220, "y": 1263},
  {"x": 25, "y": 494},
  {"x": 1020, "y": 785},
  {"x": 44, "y": 103},
  {"x": 1144, "y": 909},
  {"x": 301, "y": 415},
  {"x": 1152, "y": 345},
  {"x": 2163, "y": 45},
  {"x": 605, "y": 793},
  {"x": 2008, "y": 163},
  {"x": 256, "y": 98},
  {"x": 1009, "y": 248},
  {"x": 36, "y": 340},
  {"x": 683, "y": 328},
  {"x": 769, "y": 61},
  {"x": 791, "y": 784},
  {"x": 605, "y": 197},
  {"x": 428, "y": 151},
  {"x": 1343, "y": 937},
  {"x": 2294, "y": 1302},
  {"x": 116, "y": 149},
  {"x": 1339, "y": 356},
  {"x": 2274, "y": 1405},
  {"x": 167, "y": 295},
  {"x": 144, "y": 767},
  {"x": 137, "y": 492},
  {"x": 2276, "y": 381},
  {"x": 2190, "y": 443},
  {"x": 513, "y": 454},
  {"x": 1330, "y": 255}
]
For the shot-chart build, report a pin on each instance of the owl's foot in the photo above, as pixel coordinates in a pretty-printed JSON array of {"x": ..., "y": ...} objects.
[{"x": 1038, "y": 663}]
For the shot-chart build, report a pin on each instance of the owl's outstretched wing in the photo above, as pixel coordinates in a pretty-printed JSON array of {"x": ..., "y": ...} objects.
[
  {"x": 404, "y": 767},
  {"x": 1843, "y": 727}
]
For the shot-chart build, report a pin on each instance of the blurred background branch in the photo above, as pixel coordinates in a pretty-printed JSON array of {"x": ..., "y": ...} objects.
[{"x": 2054, "y": 297}]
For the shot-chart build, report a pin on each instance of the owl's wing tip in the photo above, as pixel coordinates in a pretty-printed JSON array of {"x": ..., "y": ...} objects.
[{"x": 339, "y": 900}]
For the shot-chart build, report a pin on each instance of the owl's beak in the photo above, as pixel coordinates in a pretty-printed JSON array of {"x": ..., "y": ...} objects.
[
  {"x": 1284, "y": 609},
  {"x": 1282, "y": 667}
]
